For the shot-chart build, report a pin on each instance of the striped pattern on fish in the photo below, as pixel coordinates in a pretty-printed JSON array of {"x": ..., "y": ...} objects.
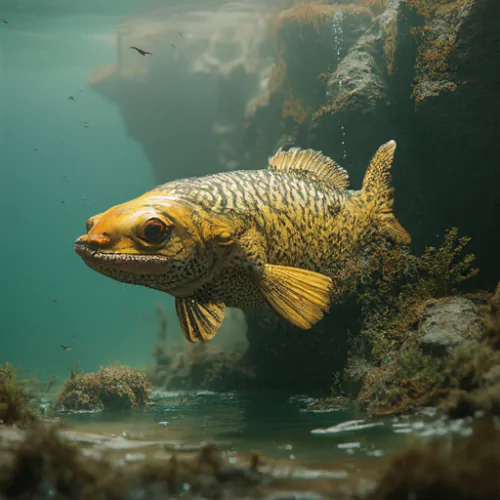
[{"x": 247, "y": 238}]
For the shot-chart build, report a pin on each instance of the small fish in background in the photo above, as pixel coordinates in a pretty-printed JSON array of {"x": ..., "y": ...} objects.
[
  {"x": 54, "y": 301},
  {"x": 173, "y": 45},
  {"x": 179, "y": 33},
  {"x": 71, "y": 98},
  {"x": 142, "y": 52},
  {"x": 65, "y": 347},
  {"x": 4, "y": 21}
]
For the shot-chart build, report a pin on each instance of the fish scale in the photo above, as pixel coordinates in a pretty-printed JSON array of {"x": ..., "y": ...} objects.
[{"x": 281, "y": 237}]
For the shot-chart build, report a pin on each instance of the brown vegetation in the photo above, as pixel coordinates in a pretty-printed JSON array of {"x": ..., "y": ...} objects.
[
  {"x": 15, "y": 405},
  {"x": 113, "y": 388},
  {"x": 395, "y": 286}
]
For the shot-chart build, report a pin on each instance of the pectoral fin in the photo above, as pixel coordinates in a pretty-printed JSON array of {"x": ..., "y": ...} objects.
[
  {"x": 300, "y": 297},
  {"x": 199, "y": 322}
]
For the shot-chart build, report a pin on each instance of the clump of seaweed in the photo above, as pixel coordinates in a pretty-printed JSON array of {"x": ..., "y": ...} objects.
[
  {"x": 112, "y": 388},
  {"x": 464, "y": 468},
  {"x": 395, "y": 286},
  {"x": 15, "y": 403}
]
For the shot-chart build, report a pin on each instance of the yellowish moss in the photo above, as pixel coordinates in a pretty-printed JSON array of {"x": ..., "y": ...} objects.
[
  {"x": 313, "y": 13},
  {"x": 395, "y": 287},
  {"x": 278, "y": 78},
  {"x": 116, "y": 387},
  {"x": 377, "y": 6},
  {"x": 435, "y": 44},
  {"x": 390, "y": 34},
  {"x": 294, "y": 109}
]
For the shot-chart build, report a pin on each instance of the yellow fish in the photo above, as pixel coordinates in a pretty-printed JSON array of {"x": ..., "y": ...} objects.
[{"x": 245, "y": 239}]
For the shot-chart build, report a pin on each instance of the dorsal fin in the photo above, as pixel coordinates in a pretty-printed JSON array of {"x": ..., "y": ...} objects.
[{"x": 311, "y": 164}]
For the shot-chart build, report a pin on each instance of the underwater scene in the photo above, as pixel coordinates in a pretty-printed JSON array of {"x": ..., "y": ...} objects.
[{"x": 250, "y": 249}]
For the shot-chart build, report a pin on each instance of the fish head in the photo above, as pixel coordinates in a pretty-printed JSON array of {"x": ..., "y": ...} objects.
[{"x": 157, "y": 241}]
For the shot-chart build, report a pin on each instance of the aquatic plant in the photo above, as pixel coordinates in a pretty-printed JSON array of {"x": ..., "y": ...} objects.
[
  {"x": 405, "y": 382},
  {"x": 15, "y": 405},
  {"x": 394, "y": 287},
  {"x": 395, "y": 284},
  {"x": 463, "y": 468},
  {"x": 117, "y": 387}
]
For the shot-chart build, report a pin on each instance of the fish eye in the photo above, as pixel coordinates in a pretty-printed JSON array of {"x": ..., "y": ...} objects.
[
  {"x": 154, "y": 231},
  {"x": 89, "y": 224}
]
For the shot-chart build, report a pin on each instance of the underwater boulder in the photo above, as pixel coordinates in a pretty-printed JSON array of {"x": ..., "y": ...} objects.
[
  {"x": 448, "y": 323},
  {"x": 355, "y": 116}
]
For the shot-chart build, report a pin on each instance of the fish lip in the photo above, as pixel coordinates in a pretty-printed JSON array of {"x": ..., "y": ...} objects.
[{"x": 96, "y": 256}]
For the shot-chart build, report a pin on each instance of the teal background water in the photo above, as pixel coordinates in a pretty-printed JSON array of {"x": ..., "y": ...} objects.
[{"x": 55, "y": 173}]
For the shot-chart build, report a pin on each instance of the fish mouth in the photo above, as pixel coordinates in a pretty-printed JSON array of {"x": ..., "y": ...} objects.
[{"x": 137, "y": 264}]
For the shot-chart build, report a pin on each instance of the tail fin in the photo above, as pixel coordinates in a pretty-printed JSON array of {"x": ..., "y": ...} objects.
[{"x": 380, "y": 195}]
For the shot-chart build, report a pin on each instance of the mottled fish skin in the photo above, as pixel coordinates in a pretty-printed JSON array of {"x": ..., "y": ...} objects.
[
  {"x": 227, "y": 229},
  {"x": 288, "y": 221}
]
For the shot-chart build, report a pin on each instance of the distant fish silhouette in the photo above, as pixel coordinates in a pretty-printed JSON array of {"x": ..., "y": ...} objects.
[
  {"x": 173, "y": 45},
  {"x": 4, "y": 21},
  {"x": 142, "y": 52},
  {"x": 179, "y": 33},
  {"x": 66, "y": 347}
]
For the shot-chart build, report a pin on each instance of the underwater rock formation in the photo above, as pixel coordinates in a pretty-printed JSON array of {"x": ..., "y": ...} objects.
[
  {"x": 185, "y": 104},
  {"x": 448, "y": 324},
  {"x": 111, "y": 388}
]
